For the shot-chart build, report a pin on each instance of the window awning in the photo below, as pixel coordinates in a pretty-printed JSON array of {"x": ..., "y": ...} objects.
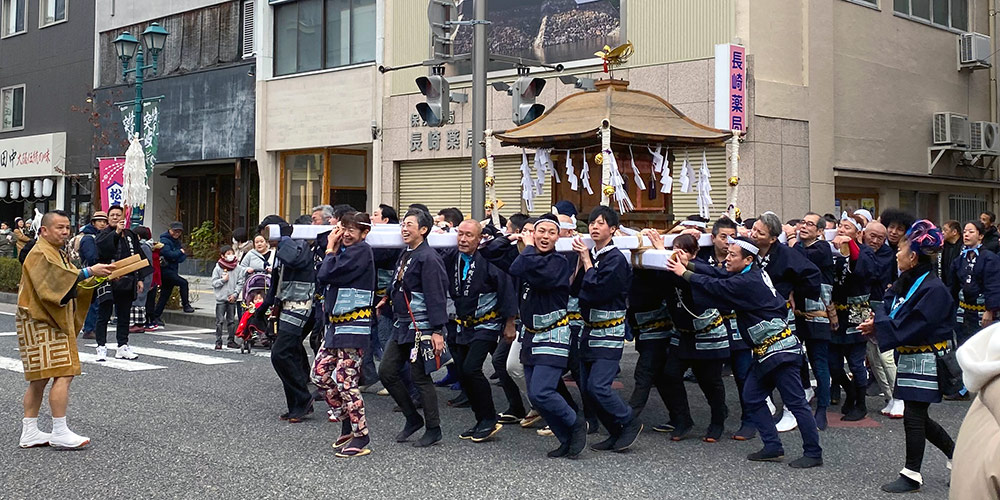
[{"x": 200, "y": 170}]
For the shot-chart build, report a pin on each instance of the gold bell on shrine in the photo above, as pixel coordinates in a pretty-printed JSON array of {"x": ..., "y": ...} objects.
[
  {"x": 489, "y": 181},
  {"x": 599, "y": 158},
  {"x": 733, "y": 181},
  {"x": 483, "y": 163},
  {"x": 609, "y": 191}
]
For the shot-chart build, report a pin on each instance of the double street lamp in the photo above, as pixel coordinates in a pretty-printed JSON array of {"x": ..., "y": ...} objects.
[{"x": 128, "y": 47}]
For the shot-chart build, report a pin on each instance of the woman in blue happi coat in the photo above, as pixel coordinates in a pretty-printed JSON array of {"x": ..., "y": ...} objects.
[
  {"x": 914, "y": 320},
  {"x": 979, "y": 289}
]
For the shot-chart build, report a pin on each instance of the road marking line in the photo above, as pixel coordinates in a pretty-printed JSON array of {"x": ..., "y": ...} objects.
[
  {"x": 177, "y": 355},
  {"x": 14, "y": 365},
  {"x": 202, "y": 345},
  {"x": 120, "y": 364},
  {"x": 8, "y": 334},
  {"x": 5, "y": 313},
  {"x": 181, "y": 332}
]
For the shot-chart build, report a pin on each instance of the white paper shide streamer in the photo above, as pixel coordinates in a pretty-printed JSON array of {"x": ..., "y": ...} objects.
[
  {"x": 635, "y": 171},
  {"x": 571, "y": 172},
  {"x": 621, "y": 195},
  {"x": 585, "y": 174},
  {"x": 687, "y": 175},
  {"x": 704, "y": 187},
  {"x": 527, "y": 185},
  {"x": 666, "y": 180},
  {"x": 134, "y": 186}
]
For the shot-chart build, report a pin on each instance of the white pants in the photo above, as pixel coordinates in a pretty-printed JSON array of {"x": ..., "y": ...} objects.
[
  {"x": 514, "y": 367},
  {"x": 883, "y": 366}
]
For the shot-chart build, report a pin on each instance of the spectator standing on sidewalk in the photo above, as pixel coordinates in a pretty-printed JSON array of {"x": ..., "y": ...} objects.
[
  {"x": 172, "y": 254},
  {"x": 87, "y": 249},
  {"x": 6, "y": 241},
  {"x": 155, "y": 284},
  {"x": 139, "y": 314},
  {"x": 22, "y": 234},
  {"x": 224, "y": 279}
]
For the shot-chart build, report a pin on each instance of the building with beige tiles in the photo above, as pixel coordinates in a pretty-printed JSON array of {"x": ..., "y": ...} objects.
[{"x": 840, "y": 99}]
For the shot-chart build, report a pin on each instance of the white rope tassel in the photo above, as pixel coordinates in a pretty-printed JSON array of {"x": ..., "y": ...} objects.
[
  {"x": 635, "y": 171},
  {"x": 134, "y": 186},
  {"x": 527, "y": 185},
  {"x": 734, "y": 168},
  {"x": 491, "y": 190},
  {"x": 704, "y": 187},
  {"x": 666, "y": 180},
  {"x": 571, "y": 172},
  {"x": 687, "y": 175},
  {"x": 585, "y": 174}
]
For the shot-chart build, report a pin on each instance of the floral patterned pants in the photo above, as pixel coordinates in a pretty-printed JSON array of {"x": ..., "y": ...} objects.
[{"x": 336, "y": 372}]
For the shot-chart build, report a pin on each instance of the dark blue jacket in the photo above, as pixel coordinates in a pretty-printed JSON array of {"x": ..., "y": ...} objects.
[
  {"x": 88, "y": 245},
  {"x": 603, "y": 292},
  {"x": 348, "y": 280},
  {"x": 171, "y": 253}
]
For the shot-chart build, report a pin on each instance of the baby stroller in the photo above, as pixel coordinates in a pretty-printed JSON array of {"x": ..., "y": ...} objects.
[{"x": 255, "y": 330}]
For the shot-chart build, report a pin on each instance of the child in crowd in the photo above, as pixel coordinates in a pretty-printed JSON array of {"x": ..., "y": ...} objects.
[{"x": 224, "y": 284}]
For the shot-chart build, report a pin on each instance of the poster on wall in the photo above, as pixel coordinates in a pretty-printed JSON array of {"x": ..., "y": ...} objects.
[{"x": 551, "y": 31}]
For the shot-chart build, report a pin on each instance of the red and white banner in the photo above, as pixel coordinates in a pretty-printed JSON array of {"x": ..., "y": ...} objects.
[{"x": 110, "y": 171}]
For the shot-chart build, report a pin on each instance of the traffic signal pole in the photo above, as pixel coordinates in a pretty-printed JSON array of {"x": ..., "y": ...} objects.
[{"x": 480, "y": 52}]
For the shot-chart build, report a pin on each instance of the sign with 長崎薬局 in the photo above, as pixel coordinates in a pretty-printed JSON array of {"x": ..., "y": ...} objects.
[{"x": 730, "y": 87}]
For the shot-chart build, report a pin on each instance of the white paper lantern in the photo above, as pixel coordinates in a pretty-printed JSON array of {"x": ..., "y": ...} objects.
[
  {"x": 25, "y": 188},
  {"x": 37, "y": 188},
  {"x": 47, "y": 186},
  {"x": 15, "y": 190},
  {"x": 3, "y": 189}
]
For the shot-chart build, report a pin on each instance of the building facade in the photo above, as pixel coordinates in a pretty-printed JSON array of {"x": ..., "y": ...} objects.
[
  {"x": 839, "y": 101},
  {"x": 46, "y": 51},
  {"x": 205, "y": 169},
  {"x": 318, "y": 104}
]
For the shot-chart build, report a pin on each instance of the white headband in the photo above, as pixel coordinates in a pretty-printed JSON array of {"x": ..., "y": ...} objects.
[
  {"x": 864, "y": 213},
  {"x": 550, "y": 221},
  {"x": 843, "y": 217},
  {"x": 746, "y": 245}
]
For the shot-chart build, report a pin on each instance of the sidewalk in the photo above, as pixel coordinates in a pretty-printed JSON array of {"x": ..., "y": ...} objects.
[{"x": 202, "y": 299}]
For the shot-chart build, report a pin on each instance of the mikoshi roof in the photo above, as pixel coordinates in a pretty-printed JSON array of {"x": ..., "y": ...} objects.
[{"x": 635, "y": 117}]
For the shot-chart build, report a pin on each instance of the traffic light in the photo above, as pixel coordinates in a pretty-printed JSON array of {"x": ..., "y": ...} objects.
[
  {"x": 523, "y": 94},
  {"x": 439, "y": 14},
  {"x": 434, "y": 111}
]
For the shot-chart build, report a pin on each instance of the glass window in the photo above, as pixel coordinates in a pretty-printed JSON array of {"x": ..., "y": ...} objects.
[
  {"x": 53, "y": 11},
  {"x": 347, "y": 171},
  {"x": 960, "y": 14},
  {"x": 303, "y": 183},
  {"x": 941, "y": 12},
  {"x": 13, "y": 107},
  {"x": 921, "y": 9},
  {"x": 902, "y": 6},
  {"x": 314, "y": 34},
  {"x": 13, "y": 17},
  {"x": 363, "y": 31},
  {"x": 338, "y": 33}
]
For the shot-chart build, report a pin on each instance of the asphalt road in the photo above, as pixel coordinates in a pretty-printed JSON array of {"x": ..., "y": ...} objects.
[{"x": 187, "y": 429}]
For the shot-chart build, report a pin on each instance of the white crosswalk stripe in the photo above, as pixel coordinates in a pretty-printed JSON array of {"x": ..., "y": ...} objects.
[
  {"x": 176, "y": 355},
  {"x": 8, "y": 334},
  {"x": 120, "y": 364},
  {"x": 204, "y": 345},
  {"x": 13, "y": 365}
]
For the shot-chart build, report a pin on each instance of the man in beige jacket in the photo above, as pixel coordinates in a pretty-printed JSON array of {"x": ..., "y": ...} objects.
[{"x": 976, "y": 463}]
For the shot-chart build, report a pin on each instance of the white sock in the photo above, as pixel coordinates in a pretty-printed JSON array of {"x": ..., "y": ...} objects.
[
  {"x": 59, "y": 425},
  {"x": 29, "y": 423}
]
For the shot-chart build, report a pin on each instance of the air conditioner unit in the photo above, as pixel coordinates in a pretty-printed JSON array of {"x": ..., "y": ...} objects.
[
  {"x": 984, "y": 138},
  {"x": 951, "y": 129},
  {"x": 973, "y": 51}
]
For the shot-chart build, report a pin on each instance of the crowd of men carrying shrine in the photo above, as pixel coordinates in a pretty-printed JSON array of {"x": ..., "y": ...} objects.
[{"x": 779, "y": 304}]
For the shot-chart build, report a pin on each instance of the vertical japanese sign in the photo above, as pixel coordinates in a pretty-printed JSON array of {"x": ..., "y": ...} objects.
[
  {"x": 730, "y": 87},
  {"x": 150, "y": 139}
]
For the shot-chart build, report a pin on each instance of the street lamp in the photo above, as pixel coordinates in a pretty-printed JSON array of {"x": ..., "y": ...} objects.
[{"x": 128, "y": 47}]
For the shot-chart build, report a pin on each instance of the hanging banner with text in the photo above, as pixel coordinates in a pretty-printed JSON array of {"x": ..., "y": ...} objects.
[
  {"x": 110, "y": 176},
  {"x": 730, "y": 87},
  {"x": 150, "y": 139}
]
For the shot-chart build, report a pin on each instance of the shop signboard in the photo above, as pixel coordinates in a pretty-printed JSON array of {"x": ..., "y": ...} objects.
[{"x": 30, "y": 156}]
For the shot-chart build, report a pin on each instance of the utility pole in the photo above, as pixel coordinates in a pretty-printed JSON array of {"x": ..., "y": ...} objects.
[{"x": 480, "y": 52}]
